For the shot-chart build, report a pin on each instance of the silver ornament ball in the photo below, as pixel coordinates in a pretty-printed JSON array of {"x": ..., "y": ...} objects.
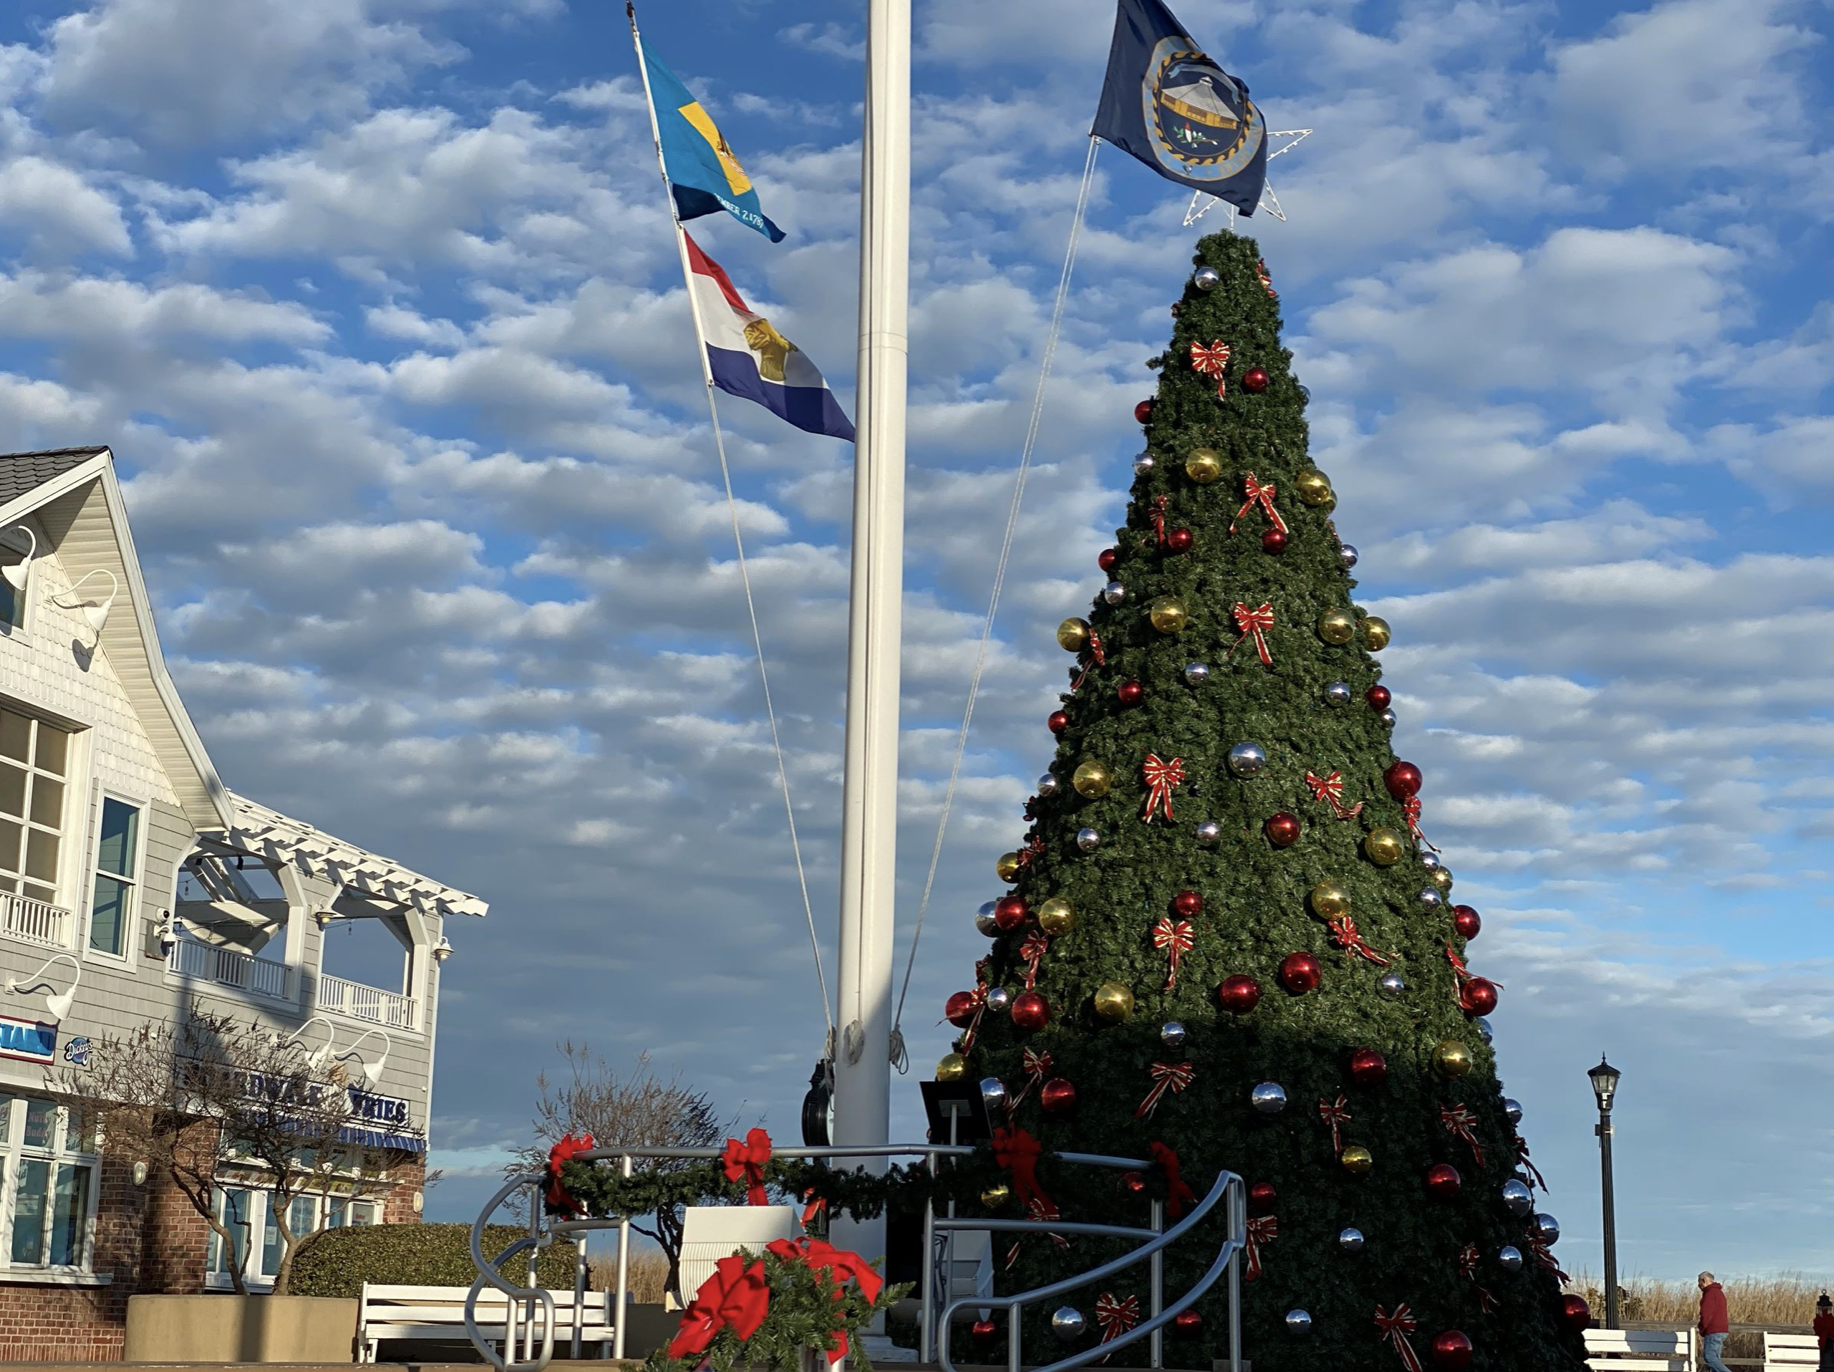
[
  {"x": 1509, "y": 1258},
  {"x": 993, "y": 1092},
  {"x": 1338, "y": 693},
  {"x": 1546, "y": 1228},
  {"x": 1347, "y": 556},
  {"x": 1430, "y": 861},
  {"x": 1143, "y": 463},
  {"x": 1172, "y": 1034},
  {"x": 1513, "y": 1109},
  {"x": 1067, "y": 1323},
  {"x": 1517, "y": 1198},
  {"x": 1430, "y": 898},
  {"x": 1247, "y": 759},
  {"x": 1114, "y": 593},
  {"x": 1391, "y": 984},
  {"x": 1298, "y": 1323},
  {"x": 999, "y": 1000},
  {"x": 1088, "y": 840},
  {"x": 1205, "y": 278},
  {"x": 1047, "y": 785},
  {"x": 1209, "y": 834},
  {"x": 1269, "y": 1098},
  {"x": 1388, "y": 719},
  {"x": 1350, "y": 1240},
  {"x": 1196, "y": 674},
  {"x": 985, "y": 923}
]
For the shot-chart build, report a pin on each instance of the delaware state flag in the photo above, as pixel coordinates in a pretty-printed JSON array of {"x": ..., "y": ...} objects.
[
  {"x": 704, "y": 172},
  {"x": 749, "y": 358}
]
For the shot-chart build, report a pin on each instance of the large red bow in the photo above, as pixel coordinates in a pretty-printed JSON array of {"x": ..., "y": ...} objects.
[
  {"x": 1017, "y": 1152},
  {"x": 1541, "y": 1253},
  {"x": 1344, "y": 934},
  {"x": 841, "y": 1266},
  {"x": 1032, "y": 952},
  {"x": 1037, "y": 1063},
  {"x": 1458, "y": 1121},
  {"x": 745, "y": 1162},
  {"x": 1331, "y": 790},
  {"x": 1174, "y": 938},
  {"x": 1261, "y": 1229},
  {"x": 1211, "y": 361},
  {"x": 1266, "y": 281},
  {"x": 1178, "y": 1192},
  {"x": 1253, "y": 623},
  {"x": 735, "y": 1297},
  {"x": 559, "y": 1198},
  {"x": 1534, "y": 1173},
  {"x": 1258, "y": 495},
  {"x": 1116, "y": 1315},
  {"x": 1395, "y": 1329},
  {"x": 1158, "y": 516},
  {"x": 1337, "y": 1115},
  {"x": 1098, "y": 657},
  {"x": 1162, "y": 779},
  {"x": 1467, "y": 1268},
  {"x": 1166, "y": 1077},
  {"x": 1411, "y": 808}
]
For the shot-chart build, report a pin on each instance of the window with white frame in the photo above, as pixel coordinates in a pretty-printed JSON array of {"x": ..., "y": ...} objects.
[
  {"x": 111, "y": 905},
  {"x": 248, "y": 1213},
  {"x": 33, "y": 759},
  {"x": 15, "y": 551},
  {"x": 48, "y": 1191}
]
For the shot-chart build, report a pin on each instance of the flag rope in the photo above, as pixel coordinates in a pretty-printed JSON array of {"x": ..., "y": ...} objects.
[
  {"x": 900, "y": 1058},
  {"x": 732, "y": 509}
]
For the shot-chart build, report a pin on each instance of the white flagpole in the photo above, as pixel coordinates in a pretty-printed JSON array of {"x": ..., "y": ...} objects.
[{"x": 862, "y": 1066}]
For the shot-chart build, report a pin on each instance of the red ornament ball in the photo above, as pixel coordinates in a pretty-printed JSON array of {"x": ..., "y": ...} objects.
[
  {"x": 1442, "y": 1181},
  {"x": 1254, "y": 380},
  {"x": 1179, "y": 540},
  {"x": 1239, "y": 994},
  {"x": 1282, "y": 829},
  {"x": 1466, "y": 922},
  {"x": 1188, "y": 903},
  {"x": 1143, "y": 412},
  {"x": 1132, "y": 1183},
  {"x": 1188, "y": 1322},
  {"x": 1378, "y": 697},
  {"x": 1452, "y": 1350},
  {"x": 1030, "y": 1011},
  {"x": 1368, "y": 1067},
  {"x": 1273, "y": 541},
  {"x": 1299, "y": 973},
  {"x": 1130, "y": 693},
  {"x": 1057, "y": 1096},
  {"x": 1109, "y": 557},
  {"x": 960, "y": 1009},
  {"x": 984, "y": 1331},
  {"x": 1009, "y": 912},
  {"x": 1478, "y": 996},
  {"x": 1578, "y": 1313},
  {"x": 1058, "y": 722},
  {"x": 1402, "y": 780},
  {"x": 1262, "y": 1197}
]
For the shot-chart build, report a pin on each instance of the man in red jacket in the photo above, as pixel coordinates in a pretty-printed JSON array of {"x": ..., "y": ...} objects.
[{"x": 1713, "y": 1323}]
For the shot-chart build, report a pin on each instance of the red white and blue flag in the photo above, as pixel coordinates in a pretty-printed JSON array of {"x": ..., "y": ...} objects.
[{"x": 748, "y": 357}]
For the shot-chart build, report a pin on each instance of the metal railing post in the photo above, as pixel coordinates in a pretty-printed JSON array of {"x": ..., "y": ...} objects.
[
  {"x": 579, "y": 1288},
  {"x": 617, "y": 1333},
  {"x": 1014, "y": 1357},
  {"x": 1157, "y": 1344},
  {"x": 1237, "y": 1225}
]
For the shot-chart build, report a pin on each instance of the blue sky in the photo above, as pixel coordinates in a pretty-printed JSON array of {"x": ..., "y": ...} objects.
[{"x": 375, "y": 301}]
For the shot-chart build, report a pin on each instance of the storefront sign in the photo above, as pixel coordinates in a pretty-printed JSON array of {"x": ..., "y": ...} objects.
[
  {"x": 76, "y": 1051},
  {"x": 27, "y": 1041}
]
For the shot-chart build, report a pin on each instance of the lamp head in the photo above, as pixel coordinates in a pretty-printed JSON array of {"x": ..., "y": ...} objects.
[
  {"x": 18, "y": 573},
  {"x": 1604, "y": 1084},
  {"x": 442, "y": 950}
]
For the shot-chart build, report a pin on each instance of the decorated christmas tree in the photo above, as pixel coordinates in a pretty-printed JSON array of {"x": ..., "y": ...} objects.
[{"x": 1227, "y": 934}]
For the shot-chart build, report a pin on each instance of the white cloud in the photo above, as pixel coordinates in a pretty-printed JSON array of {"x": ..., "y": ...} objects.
[{"x": 60, "y": 210}]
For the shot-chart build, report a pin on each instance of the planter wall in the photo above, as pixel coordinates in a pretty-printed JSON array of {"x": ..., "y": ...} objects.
[{"x": 262, "y": 1329}]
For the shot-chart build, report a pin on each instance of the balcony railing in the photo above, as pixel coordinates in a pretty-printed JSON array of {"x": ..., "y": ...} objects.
[
  {"x": 339, "y": 997},
  {"x": 33, "y": 921},
  {"x": 226, "y": 967}
]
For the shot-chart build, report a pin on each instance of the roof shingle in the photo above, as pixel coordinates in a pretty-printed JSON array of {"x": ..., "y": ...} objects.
[{"x": 22, "y": 472}]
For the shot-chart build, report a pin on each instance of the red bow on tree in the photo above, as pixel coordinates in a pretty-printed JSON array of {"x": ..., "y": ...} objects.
[
  {"x": 1331, "y": 790},
  {"x": 1211, "y": 361},
  {"x": 1166, "y": 1077},
  {"x": 1097, "y": 658},
  {"x": 1541, "y": 1253},
  {"x": 1032, "y": 952},
  {"x": 560, "y": 1200},
  {"x": 1265, "y": 280},
  {"x": 1178, "y": 1192},
  {"x": 1116, "y": 1315},
  {"x": 1411, "y": 808},
  {"x": 1261, "y": 1229},
  {"x": 745, "y": 1162},
  {"x": 1253, "y": 624},
  {"x": 1158, "y": 517},
  {"x": 1162, "y": 779},
  {"x": 1534, "y": 1173},
  {"x": 1258, "y": 495},
  {"x": 1344, "y": 935},
  {"x": 1395, "y": 1329},
  {"x": 1458, "y": 1121},
  {"x": 841, "y": 1266},
  {"x": 735, "y": 1297},
  {"x": 1017, "y": 1152},
  {"x": 1467, "y": 1268},
  {"x": 1037, "y": 1064},
  {"x": 1335, "y": 1114},
  {"x": 1174, "y": 938}
]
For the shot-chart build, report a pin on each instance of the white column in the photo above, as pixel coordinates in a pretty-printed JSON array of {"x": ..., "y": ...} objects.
[{"x": 862, "y": 1069}]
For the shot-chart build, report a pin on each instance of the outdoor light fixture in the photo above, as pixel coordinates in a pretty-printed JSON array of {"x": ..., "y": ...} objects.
[
  {"x": 372, "y": 1071},
  {"x": 1604, "y": 1087},
  {"x": 170, "y": 926},
  {"x": 58, "y": 1004},
  {"x": 140, "y": 1173},
  {"x": 95, "y": 612},
  {"x": 316, "y": 1058},
  {"x": 17, "y": 573},
  {"x": 442, "y": 950}
]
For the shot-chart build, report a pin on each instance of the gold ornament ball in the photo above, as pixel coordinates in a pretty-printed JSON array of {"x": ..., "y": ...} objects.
[
  {"x": 1356, "y": 1159},
  {"x": 1091, "y": 780},
  {"x": 1073, "y": 635},
  {"x": 995, "y": 1196},
  {"x": 1113, "y": 1001},
  {"x": 1008, "y": 866},
  {"x": 1168, "y": 614},
  {"x": 1336, "y": 627},
  {"x": 1056, "y": 916},
  {"x": 1384, "y": 847},
  {"x": 1203, "y": 466},
  {"x": 1330, "y": 900},
  {"x": 1451, "y": 1059},
  {"x": 953, "y": 1067},
  {"x": 1314, "y": 487},
  {"x": 1375, "y": 633},
  {"x": 1442, "y": 878}
]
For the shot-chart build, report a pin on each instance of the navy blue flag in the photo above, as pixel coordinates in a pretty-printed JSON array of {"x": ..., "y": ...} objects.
[{"x": 1177, "y": 111}]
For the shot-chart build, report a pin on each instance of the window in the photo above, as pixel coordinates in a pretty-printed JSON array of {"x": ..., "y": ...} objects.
[
  {"x": 111, "y": 909},
  {"x": 33, "y": 756},
  {"x": 15, "y": 545},
  {"x": 248, "y": 1213},
  {"x": 48, "y": 1190}
]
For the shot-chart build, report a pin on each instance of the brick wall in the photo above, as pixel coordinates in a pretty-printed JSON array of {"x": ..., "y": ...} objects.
[
  {"x": 410, "y": 1181},
  {"x": 82, "y": 1323}
]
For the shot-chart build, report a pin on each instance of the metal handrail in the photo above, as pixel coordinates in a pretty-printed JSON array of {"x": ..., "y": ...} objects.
[{"x": 490, "y": 1275}]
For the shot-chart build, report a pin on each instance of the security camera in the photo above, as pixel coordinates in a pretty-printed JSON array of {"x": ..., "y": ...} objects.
[{"x": 168, "y": 934}]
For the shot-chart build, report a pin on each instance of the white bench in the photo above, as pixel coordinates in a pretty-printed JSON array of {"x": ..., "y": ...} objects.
[
  {"x": 437, "y": 1314},
  {"x": 1791, "y": 1351},
  {"x": 968, "y": 1269},
  {"x": 1640, "y": 1350},
  {"x": 712, "y": 1232}
]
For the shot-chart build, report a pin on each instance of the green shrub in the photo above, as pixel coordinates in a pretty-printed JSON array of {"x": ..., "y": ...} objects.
[{"x": 339, "y": 1261}]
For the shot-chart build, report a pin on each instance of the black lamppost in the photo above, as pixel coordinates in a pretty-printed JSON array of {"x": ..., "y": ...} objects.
[{"x": 1604, "y": 1086}]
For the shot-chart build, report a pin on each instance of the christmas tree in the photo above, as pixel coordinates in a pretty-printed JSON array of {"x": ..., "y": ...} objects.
[{"x": 1226, "y": 932}]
